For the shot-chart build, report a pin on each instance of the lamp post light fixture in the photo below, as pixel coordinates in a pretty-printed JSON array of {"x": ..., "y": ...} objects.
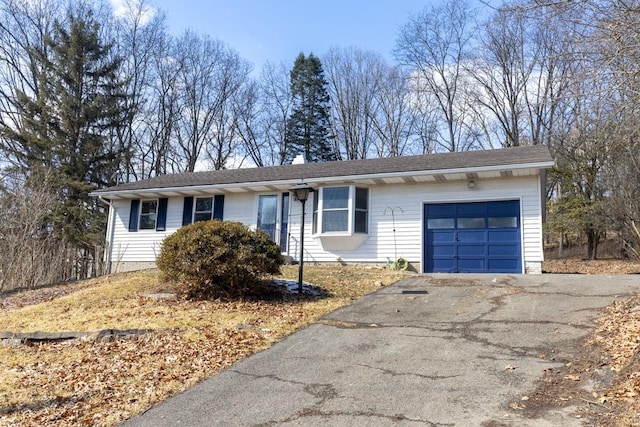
[{"x": 301, "y": 193}]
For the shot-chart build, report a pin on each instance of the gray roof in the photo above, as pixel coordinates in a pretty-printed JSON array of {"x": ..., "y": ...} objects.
[{"x": 434, "y": 163}]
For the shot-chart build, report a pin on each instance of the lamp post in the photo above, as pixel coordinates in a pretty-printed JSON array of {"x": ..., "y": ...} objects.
[{"x": 301, "y": 193}]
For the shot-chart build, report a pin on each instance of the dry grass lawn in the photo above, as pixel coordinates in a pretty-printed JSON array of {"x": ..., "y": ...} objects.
[{"x": 85, "y": 382}]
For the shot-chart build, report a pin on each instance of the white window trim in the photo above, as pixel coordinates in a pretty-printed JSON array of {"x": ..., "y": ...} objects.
[
  {"x": 351, "y": 212},
  {"x": 195, "y": 203},
  {"x": 140, "y": 214}
]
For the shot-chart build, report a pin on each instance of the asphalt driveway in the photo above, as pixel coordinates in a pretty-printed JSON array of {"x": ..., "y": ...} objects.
[{"x": 438, "y": 350}]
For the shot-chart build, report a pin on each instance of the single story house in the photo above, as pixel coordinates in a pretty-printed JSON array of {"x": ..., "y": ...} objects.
[{"x": 475, "y": 211}]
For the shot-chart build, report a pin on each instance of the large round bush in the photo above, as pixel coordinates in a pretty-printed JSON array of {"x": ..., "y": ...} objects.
[{"x": 213, "y": 259}]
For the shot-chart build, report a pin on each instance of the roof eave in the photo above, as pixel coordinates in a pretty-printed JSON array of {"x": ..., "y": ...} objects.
[{"x": 119, "y": 194}]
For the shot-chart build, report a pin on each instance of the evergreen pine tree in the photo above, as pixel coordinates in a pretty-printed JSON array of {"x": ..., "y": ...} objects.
[
  {"x": 67, "y": 124},
  {"x": 308, "y": 125}
]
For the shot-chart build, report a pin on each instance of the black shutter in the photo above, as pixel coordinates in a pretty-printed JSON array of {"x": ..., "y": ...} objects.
[
  {"x": 133, "y": 215},
  {"x": 161, "y": 223},
  {"x": 187, "y": 211},
  {"x": 218, "y": 207}
]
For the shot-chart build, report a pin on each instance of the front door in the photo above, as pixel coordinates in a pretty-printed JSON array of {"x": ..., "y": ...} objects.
[{"x": 269, "y": 216}]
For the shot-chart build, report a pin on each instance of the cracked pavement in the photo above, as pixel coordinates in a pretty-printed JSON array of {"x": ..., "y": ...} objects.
[{"x": 436, "y": 350}]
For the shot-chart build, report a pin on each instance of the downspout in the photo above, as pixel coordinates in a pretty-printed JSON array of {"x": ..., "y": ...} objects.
[{"x": 110, "y": 231}]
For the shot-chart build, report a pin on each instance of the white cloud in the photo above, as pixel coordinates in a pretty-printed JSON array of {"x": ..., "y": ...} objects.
[{"x": 126, "y": 9}]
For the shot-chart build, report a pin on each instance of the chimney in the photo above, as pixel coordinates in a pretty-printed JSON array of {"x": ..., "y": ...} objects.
[{"x": 299, "y": 160}]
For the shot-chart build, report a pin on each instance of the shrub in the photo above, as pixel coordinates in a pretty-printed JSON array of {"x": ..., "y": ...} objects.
[{"x": 218, "y": 259}]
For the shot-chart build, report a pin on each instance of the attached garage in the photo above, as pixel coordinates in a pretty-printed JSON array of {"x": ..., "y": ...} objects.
[{"x": 473, "y": 237}]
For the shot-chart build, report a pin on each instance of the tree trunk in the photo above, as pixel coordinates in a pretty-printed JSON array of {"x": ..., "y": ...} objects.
[{"x": 593, "y": 238}]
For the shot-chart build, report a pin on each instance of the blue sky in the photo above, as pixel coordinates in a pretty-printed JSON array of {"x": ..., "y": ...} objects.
[{"x": 277, "y": 30}]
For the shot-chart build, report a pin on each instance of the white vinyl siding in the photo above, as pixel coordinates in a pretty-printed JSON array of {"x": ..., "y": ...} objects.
[
  {"x": 145, "y": 246},
  {"x": 141, "y": 246}
]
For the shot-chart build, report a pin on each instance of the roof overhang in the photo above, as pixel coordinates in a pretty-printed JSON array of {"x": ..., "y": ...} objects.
[{"x": 409, "y": 177}]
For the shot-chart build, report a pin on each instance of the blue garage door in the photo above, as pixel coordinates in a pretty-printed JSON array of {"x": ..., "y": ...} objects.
[{"x": 473, "y": 237}]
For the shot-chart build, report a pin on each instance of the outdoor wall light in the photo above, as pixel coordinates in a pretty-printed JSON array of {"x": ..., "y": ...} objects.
[
  {"x": 301, "y": 193},
  {"x": 471, "y": 185}
]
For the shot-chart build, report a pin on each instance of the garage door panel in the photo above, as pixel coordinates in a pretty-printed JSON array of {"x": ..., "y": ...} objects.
[
  {"x": 443, "y": 210},
  {"x": 444, "y": 251},
  {"x": 441, "y": 265},
  {"x": 504, "y": 236},
  {"x": 503, "y": 264},
  {"x": 472, "y": 265},
  {"x": 505, "y": 208},
  {"x": 480, "y": 237},
  {"x": 472, "y": 251},
  {"x": 509, "y": 250},
  {"x": 471, "y": 210},
  {"x": 471, "y": 236},
  {"x": 441, "y": 236}
]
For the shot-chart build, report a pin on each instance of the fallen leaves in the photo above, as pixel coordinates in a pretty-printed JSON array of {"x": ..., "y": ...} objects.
[
  {"x": 129, "y": 374},
  {"x": 618, "y": 335},
  {"x": 84, "y": 382},
  {"x": 600, "y": 266}
]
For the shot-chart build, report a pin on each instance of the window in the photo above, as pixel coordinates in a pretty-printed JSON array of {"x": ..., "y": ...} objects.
[
  {"x": 268, "y": 214},
  {"x": 361, "y": 221},
  {"x": 284, "y": 222},
  {"x": 470, "y": 222},
  {"x": 203, "y": 209},
  {"x": 343, "y": 209},
  {"x": 335, "y": 209},
  {"x": 444, "y": 223},
  {"x": 148, "y": 214},
  {"x": 503, "y": 222}
]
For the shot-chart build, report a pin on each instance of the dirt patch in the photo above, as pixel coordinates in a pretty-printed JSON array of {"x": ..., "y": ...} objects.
[{"x": 578, "y": 383}]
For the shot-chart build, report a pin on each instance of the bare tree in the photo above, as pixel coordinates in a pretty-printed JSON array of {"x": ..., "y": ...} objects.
[
  {"x": 435, "y": 44},
  {"x": 249, "y": 125},
  {"x": 224, "y": 142},
  {"x": 37, "y": 257},
  {"x": 140, "y": 33},
  {"x": 210, "y": 75},
  {"x": 276, "y": 108},
  {"x": 519, "y": 75},
  {"x": 154, "y": 147},
  {"x": 424, "y": 113},
  {"x": 503, "y": 70},
  {"x": 355, "y": 78},
  {"x": 395, "y": 118}
]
